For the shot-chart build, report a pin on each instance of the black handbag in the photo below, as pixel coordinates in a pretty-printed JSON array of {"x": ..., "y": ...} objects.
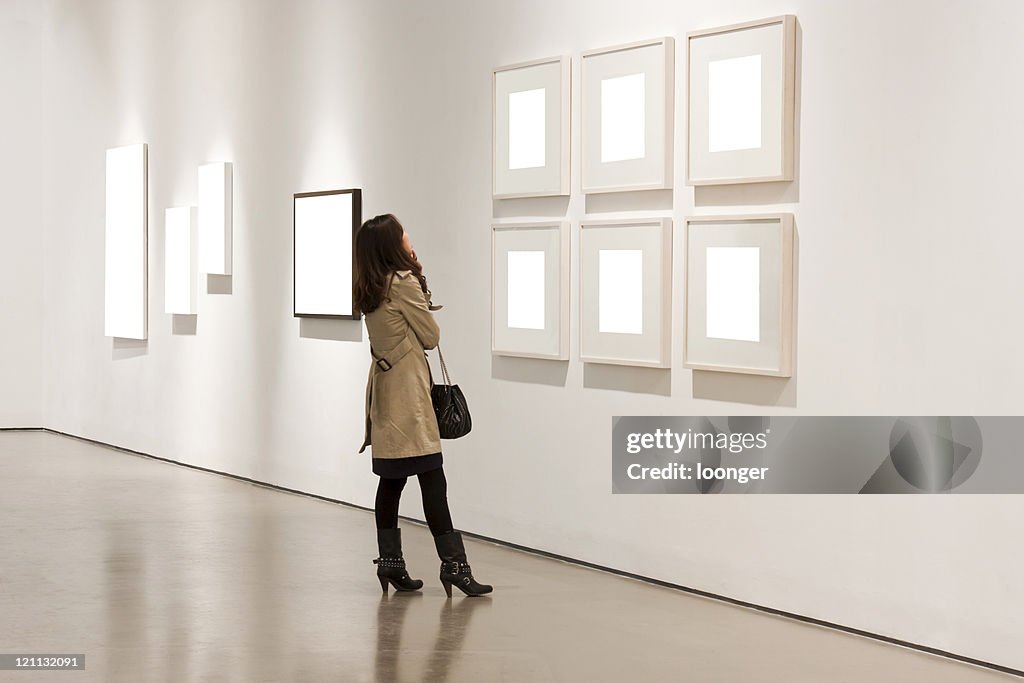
[{"x": 453, "y": 419}]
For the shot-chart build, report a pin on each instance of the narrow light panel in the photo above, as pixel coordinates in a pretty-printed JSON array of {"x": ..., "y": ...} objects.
[
  {"x": 734, "y": 293},
  {"x": 125, "y": 243},
  {"x": 215, "y": 218},
  {"x": 734, "y": 104},
  {"x": 623, "y": 118},
  {"x": 323, "y": 254},
  {"x": 526, "y": 290},
  {"x": 180, "y": 263},
  {"x": 526, "y": 141},
  {"x": 620, "y": 291}
]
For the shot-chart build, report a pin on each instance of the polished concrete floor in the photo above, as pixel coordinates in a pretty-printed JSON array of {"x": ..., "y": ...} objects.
[{"x": 162, "y": 573}]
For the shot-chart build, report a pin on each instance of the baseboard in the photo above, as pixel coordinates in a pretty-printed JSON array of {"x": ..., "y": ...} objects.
[{"x": 583, "y": 563}]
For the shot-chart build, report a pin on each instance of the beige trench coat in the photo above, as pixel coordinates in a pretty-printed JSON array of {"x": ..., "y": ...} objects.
[{"x": 400, "y": 420}]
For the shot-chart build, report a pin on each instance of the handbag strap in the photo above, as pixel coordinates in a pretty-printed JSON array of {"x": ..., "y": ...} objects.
[{"x": 444, "y": 368}]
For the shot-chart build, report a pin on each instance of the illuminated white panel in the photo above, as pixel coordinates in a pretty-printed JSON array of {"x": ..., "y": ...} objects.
[
  {"x": 323, "y": 254},
  {"x": 734, "y": 293},
  {"x": 215, "y": 218},
  {"x": 526, "y": 290},
  {"x": 125, "y": 243},
  {"x": 620, "y": 291},
  {"x": 734, "y": 104},
  {"x": 180, "y": 264},
  {"x": 526, "y": 142},
  {"x": 623, "y": 114}
]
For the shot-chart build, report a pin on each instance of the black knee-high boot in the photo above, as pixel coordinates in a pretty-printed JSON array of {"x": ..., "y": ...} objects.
[
  {"x": 454, "y": 567},
  {"x": 391, "y": 564}
]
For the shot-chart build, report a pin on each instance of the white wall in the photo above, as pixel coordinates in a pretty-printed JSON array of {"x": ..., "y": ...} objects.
[
  {"x": 909, "y": 235},
  {"x": 22, "y": 267}
]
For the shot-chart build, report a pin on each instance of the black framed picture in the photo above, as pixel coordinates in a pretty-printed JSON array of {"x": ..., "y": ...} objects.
[{"x": 323, "y": 265}]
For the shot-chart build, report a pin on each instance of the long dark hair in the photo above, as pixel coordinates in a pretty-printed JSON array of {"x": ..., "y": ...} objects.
[{"x": 379, "y": 252}]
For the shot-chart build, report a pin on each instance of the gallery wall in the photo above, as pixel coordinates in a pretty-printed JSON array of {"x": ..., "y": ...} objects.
[
  {"x": 22, "y": 267},
  {"x": 906, "y": 213}
]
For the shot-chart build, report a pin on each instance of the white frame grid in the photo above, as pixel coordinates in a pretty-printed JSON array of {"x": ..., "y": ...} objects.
[
  {"x": 772, "y": 354},
  {"x": 774, "y": 39},
  {"x": 554, "y": 74},
  {"x": 656, "y": 59},
  {"x": 653, "y": 347},
  {"x": 551, "y": 342}
]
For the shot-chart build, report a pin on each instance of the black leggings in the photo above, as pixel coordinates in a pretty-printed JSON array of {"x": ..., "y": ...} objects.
[{"x": 434, "y": 488}]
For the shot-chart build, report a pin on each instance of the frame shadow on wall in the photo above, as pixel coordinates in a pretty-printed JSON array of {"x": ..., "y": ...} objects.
[
  {"x": 637, "y": 200},
  {"x": 782, "y": 192},
  {"x": 530, "y": 370},
  {"x": 629, "y": 378},
  {"x": 757, "y": 389},
  {"x": 218, "y": 284},
  {"x": 331, "y": 330},
  {"x": 123, "y": 347},
  {"x": 544, "y": 207},
  {"x": 184, "y": 323}
]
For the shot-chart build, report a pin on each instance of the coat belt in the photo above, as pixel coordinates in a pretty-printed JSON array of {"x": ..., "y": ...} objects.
[{"x": 386, "y": 361}]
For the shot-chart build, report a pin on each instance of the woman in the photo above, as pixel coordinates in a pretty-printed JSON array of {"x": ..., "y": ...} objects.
[{"x": 391, "y": 292}]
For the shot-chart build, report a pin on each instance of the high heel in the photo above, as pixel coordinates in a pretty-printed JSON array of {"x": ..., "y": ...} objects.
[
  {"x": 454, "y": 567},
  {"x": 391, "y": 564}
]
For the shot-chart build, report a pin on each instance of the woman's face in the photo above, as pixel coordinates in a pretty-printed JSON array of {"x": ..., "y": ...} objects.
[{"x": 407, "y": 245}]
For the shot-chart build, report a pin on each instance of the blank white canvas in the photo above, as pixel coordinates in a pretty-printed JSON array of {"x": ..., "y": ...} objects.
[
  {"x": 180, "y": 267},
  {"x": 734, "y": 104},
  {"x": 623, "y": 118},
  {"x": 734, "y": 293},
  {"x": 620, "y": 291},
  {"x": 526, "y": 141},
  {"x": 323, "y": 254},
  {"x": 125, "y": 243},
  {"x": 215, "y": 218},
  {"x": 526, "y": 289}
]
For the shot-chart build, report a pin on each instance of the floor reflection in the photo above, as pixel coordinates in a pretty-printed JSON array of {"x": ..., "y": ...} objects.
[
  {"x": 161, "y": 573},
  {"x": 453, "y": 620}
]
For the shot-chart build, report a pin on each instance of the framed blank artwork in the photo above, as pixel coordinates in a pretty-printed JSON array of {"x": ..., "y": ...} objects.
[
  {"x": 126, "y": 242},
  {"x": 530, "y": 289},
  {"x": 180, "y": 260},
  {"x": 215, "y": 218},
  {"x": 626, "y": 292},
  {"x": 739, "y": 294},
  {"x": 530, "y": 128},
  {"x": 741, "y": 91},
  {"x": 325, "y": 224},
  {"x": 627, "y": 116}
]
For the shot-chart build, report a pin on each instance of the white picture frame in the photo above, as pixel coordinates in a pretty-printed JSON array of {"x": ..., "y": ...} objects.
[
  {"x": 626, "y": 291},
  {"x": 740, "y": 273},
  {"x": 628, "y": 101},
  {"x": 181, "y": 270},
  {"x": 530, "y": 135},
  {"x": 741, "y": 102},
  {"x": 324, "y": 226},
  {"x": 530, "y": 289},
  {"x": 126, "y": 242},
  {"x": 214, "y": 214}
]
